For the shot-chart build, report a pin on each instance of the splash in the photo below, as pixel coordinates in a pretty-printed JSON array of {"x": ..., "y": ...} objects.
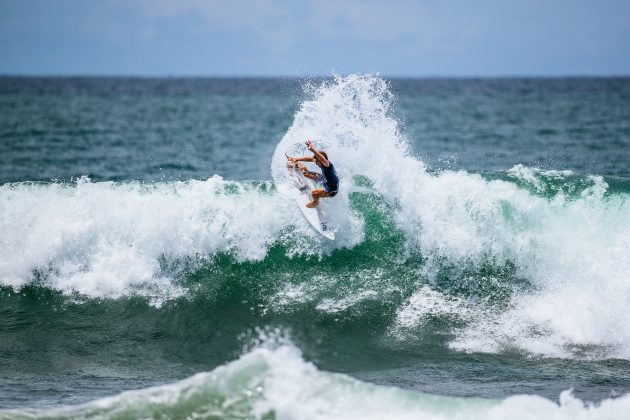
[{"x": 561, "y": 232}]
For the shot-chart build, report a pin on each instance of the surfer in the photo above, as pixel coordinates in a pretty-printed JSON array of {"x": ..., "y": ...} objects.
[{"x": 328, "y": 179}]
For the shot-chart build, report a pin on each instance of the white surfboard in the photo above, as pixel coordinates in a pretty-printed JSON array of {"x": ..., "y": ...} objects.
[{"x": 301, "y": 188}]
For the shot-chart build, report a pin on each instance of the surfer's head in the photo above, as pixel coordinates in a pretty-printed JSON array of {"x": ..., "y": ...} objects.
[{"x": 317, "y": 162}]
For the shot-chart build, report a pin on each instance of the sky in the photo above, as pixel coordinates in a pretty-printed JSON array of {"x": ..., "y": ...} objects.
[{"x": 404, "y": 38}]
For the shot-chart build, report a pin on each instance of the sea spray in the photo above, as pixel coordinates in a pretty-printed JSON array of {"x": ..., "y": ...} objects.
[{"x": 572, "y": 248}]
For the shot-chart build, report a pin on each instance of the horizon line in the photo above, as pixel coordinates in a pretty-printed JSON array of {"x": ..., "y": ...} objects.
[{"x": 314, "y": 76}]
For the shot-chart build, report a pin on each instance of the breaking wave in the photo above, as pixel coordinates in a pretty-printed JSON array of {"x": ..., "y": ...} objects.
[{"x": 527, "y": 260}]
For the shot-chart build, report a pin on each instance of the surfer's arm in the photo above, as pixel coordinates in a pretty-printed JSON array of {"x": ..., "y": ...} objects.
[
  {"x": 317, "y": 153},
  {"x": 302, "y": 159}
]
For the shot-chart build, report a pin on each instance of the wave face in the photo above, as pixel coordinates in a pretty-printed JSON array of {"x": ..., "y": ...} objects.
[{"x": 276, "y": 383}]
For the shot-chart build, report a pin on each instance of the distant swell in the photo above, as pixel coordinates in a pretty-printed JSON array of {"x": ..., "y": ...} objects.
[{"x": 278, "y": 383}]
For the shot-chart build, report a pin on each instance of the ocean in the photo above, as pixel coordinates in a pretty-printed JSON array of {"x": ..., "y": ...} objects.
[{"x": 151, "y": 267}]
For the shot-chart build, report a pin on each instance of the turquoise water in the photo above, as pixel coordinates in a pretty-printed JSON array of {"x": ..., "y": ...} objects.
[{"x": 480, "y": 267}]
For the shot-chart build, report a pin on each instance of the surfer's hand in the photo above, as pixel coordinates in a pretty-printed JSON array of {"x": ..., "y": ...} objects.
[{"x": 309, "y": 145}]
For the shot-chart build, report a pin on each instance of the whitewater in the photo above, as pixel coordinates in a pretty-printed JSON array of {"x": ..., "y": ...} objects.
[{"x": 530, "y": 262}]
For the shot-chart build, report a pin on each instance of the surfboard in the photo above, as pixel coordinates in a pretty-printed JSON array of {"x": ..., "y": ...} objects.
[{"x": 301, "y": 188}]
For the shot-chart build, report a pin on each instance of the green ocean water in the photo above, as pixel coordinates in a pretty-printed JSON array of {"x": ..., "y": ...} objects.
[{"x": 482, "y": 247}]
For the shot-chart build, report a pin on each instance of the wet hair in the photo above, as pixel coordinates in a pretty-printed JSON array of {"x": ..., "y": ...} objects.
[{"x": 323, "y": 153}]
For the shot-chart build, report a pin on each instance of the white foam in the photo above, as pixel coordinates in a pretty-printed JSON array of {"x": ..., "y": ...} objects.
[
  {"x": 425, "y": 303},
  {"x": 107, "y": 239},
  {"x": 295, "y": 389},
  {"x": 575, "y": 253},
  {"x": 333, "y": 294}
]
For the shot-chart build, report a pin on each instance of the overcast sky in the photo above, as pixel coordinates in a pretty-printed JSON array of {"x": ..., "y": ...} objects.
[{"x": 296, "y": 38}]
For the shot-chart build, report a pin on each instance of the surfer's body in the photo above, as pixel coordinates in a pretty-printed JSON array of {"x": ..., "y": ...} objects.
[{"x": 328, "y": 179}]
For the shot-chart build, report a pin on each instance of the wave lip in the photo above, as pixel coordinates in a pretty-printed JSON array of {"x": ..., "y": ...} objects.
[{"x": 277, "y": 383}]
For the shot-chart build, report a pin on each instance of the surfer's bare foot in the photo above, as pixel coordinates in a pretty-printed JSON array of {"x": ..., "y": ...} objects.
[{"x": 312, "y": 204}]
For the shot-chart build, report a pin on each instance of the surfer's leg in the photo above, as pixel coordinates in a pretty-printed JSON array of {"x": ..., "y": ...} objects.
[{"x": 316, "y": 194}]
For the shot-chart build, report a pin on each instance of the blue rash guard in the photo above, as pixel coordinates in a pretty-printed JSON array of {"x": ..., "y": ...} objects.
[{"x": 330, "y": 180}]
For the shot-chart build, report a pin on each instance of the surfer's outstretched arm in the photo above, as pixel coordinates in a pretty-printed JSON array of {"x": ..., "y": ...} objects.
[
  {"x": 301, "y": 159},
  {"x": 317, "y": 153}
]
